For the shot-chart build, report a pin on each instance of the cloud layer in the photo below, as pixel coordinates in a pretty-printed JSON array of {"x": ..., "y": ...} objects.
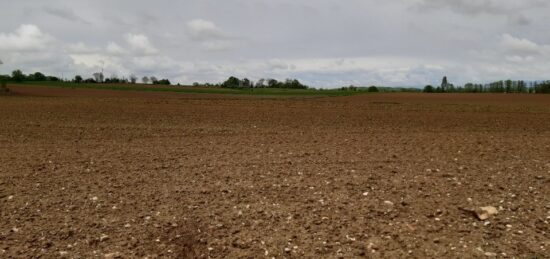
[{"x": 323, "y": 43}]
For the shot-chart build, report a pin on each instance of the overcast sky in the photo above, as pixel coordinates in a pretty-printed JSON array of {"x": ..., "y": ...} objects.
[{"x": 324, "y": 43}]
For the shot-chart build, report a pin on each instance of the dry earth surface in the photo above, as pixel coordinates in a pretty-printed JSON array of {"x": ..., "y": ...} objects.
[{"x": 92, "y": 173}]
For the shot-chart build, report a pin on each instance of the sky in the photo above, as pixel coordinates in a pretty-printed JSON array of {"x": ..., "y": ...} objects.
[{"x": 323, "y": 43}]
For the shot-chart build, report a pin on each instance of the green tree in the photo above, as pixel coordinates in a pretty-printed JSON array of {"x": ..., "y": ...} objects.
[
  {"x": 428, "y": 89},
  {"x": 508, "y": 86},
  {"x": 232, "y": 82},
  {"x": 272, "y": 83},
  {"x": 164, "y": 82},
  {"x": 18, "y": 76},
  {"x": 246, "y": 83},
  {"x": 78, "y": 79},
  {"x": 372, "y": 89},
  {"x": 37, "y": 77}
]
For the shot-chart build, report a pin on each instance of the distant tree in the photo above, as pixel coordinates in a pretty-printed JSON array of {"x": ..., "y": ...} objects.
[
  {"x": 246, "y": 83},
  {"x": 163, "y": 82},
  {"x": 372, "y": 89},
  {"x": 154, "y": 80},
  {"x": 292, "y": 83},
  {"x": 90, "y": 81},
  {"x": 444, "y": 84},
  {"x": 53, "y": 78},
  {"x": 542, "y": 87},
  {"x": 145, "y": 80},
  {"x": 78, "y": 79},
  {"x": 428, "y": 89},
  {"x": 17, "y": 76},
  {"x": 508, "y": 86},
  {"x": 260, "y": 83},
  {"x": 133, "y": 78},
  {"x": 232, "y": 82},
  {"x": 469, "y": 88},
  {"x": 37, "y": 77},
  {"x": 98, "y": 77},
  {"x": 521, "y": 86},
  {"x": 272, "y": 83}
]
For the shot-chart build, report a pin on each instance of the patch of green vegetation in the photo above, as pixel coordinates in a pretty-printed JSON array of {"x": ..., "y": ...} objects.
[{"x": 194, "y": 89}]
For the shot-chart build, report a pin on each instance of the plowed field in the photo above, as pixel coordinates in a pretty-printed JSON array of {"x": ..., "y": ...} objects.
[{"x": 93, "y": 173}]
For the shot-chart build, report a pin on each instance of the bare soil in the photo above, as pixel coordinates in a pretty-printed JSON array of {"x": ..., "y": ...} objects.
[{"x": 94, "y": 173}]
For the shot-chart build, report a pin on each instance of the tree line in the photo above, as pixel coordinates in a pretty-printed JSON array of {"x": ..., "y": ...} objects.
[
  {"x": 234, "y": 82},
  {"x": 502, "y": 86},
  {"x": 96, "y": 78}
]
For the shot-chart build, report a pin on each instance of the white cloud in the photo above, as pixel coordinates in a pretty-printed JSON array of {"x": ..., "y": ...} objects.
[
  {"x": 202, "y": 30},
  {"x": 209, "y": 36},
  {"x": 81, "y": 48},
  {"x": 27, "y": 37},
  {"x": 520, "y": 46},
  {"x": 140, "y": 44},
  {"x": 115, "y": 49}
]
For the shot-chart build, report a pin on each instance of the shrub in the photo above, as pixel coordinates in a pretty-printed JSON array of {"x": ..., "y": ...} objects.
[
  {"x": 373, "y": 89},
  {"x": 428, "y": 89}
]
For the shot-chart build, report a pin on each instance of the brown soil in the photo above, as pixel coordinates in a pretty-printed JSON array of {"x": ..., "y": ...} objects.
[{"x": 91, "y": 173}]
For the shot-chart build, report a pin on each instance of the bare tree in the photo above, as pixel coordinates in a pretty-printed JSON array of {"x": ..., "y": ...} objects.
[
  {"x": 260, "y": 83},
  {"x": 154, "y": 80},
  {"x": 98, "y": 77},
  {"x": 133, "y": 78},
  {"x": 145, "y": 80}
]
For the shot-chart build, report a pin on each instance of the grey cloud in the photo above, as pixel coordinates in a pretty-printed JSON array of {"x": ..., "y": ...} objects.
[
  {"x": 483, "y": 6},
  {"x": 323, "y": 43},
  {"x": 66, "y": 14}
]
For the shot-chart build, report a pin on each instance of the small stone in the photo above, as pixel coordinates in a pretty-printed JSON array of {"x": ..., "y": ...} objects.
[
  {"x": 63, "y": 253},
  {"x": 484, "y": 213},
  {"x": 103, "y": 237},
  {"x": 389, "y": 203},
  {"x": 287, "y": 250},
  {"x": 94, "y": 198},
  {"x": 113, "y": 255},
  {"x": 365, "y": 193},
  {"x": 490, "y": 254},
  {"x": 10, "y": 197}
]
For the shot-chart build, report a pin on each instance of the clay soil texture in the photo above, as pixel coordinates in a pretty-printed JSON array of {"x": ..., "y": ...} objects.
[{"x": 107, "y": 174}]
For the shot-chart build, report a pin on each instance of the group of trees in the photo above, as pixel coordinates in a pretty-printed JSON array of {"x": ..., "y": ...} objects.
[
  {"x": 19, "y": 76},
  {"x": 370, "y": 89},
  {"x": 132, "y": 79},
  {"x": 503, "y": 86},
  {"x": 234, "y": 82}
]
